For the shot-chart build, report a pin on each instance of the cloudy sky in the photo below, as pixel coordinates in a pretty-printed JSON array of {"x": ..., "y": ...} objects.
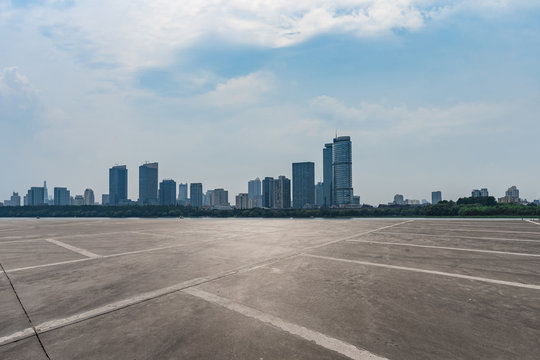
[{"x": 436, "y": 95}]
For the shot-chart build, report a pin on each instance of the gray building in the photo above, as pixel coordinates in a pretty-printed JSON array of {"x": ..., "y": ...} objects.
[
  {"x": 148, "y": 184},
  {"x": 254, "y": 193},
  {"x": 399, "y": 199},
  {"x": 89, "y": 198},
  {"x": 62, "y": 196},
  {"x": 436, "y": 196},
  {"x": 105, "y": 199},
  {"x": 281, "y": 193},
  {"x": 303, "y": 178},
  {"x": 220, "y": 197},
  {"x": 342, "y": 171},
  {"x": 196, "y": 195},
  {"x": 78, "y": 200},
  {"x": 319, "y": 194},
  {"x": 35, "y": 196},
  {"x": 268, "y": 192},
  {"x": 118, "y": 185},
  {"x": 15, "y": 200},
  {"x": 327, "y": 175},
  {"x": 242, "y": 200},
  {"x": 167, "y": 192},
  {"x": 182, "y": 194}
]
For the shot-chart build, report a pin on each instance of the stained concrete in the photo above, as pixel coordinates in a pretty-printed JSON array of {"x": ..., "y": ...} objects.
[{"x": 265, "y": 264}]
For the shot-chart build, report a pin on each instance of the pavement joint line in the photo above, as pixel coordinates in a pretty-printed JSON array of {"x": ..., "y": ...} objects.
[
  {"x": 485, "y": 231},
  {"x": 460, "y": 237},
  {"x": 318, "y": 338},
  {"x": 78, "y": 250},
  {"x": 425, "y": 271},
  {"x": 117, "y": 305},
  {"x": 445, "y": 248},
  {"x": 533, "y": 222}
]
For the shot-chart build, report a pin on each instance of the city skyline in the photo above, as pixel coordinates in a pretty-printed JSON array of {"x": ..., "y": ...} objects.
[{"x": 443, "y": 94}]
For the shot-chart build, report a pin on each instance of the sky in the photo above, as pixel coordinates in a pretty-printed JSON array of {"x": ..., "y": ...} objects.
[{"x": 435, "y": 95}]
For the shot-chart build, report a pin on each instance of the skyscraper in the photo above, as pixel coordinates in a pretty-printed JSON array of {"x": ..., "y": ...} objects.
[
  {"x": 220, "y": 197},
  {"x": 148, "y": 184},
  {"x": 118, "y": 184},
  {"x": 319, "y": 194},
  {"x": 45, "y": 193},
  {"x": 268, "y": 192},
  {"x": 342, "y": 170},
  {"x": 303, "y": 177},
  {"x": 89, "y": 197},
  {"x": 182, "y": 194},
  {"x": 327, "y": 175},
  {"x": 167, "y": 192},
  {"x": 281, "y": 193},
  {"x": 254, "y": 193},
  {"x": 196, "y": 194},
  {"x": 35, "y": 196},
  {"x": 436, "y": 196},
  {"x": 62, "y": 196},
  {"x": 242, "y": 200},
  {"x": 398, "y": 199}
]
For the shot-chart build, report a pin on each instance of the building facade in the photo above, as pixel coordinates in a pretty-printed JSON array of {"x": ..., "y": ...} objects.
[
  {"x": 220, "y": 197},
  {"x": 319, "y": 194},
  {"x": 196, "y": 195},
  {"x": 118, "y": 185},
  {"x": 35, "y": 196},
  {"x": 281, "y": 193},
  {"x": 148, "y": 184},
  {"x": 182, "y": 194},
  {"x": 511, "y": 196},
  {"x": 303, "y": 178},
  {"x": 254, "y": 193},
  {"x": 268, "y": 192},
  {"x": 399, "y": 199},
  {"x": 62, "y": 196},
  {"x": 167, "y": 192},
  {"x": 436, "y": 196},
  {"x": 327, "y": 175},
  {"x": 89, "y": 198},
  {"x": 342, "y": 171},
  {"x": 242, "y": 200}
]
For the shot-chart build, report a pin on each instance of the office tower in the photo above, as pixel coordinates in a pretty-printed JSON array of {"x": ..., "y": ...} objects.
[
  {"x": 476, "y": 193},
  {"x": 398, "y": 199},
  {"x": 282, "y": 193},
  {"x": 182, "y": 194},
  {"x": 196, "y": 195},
  {"x": 61, "y": 196},
  {"x": 303, "y": 178},
  {"x": 511, "y": 196},
  {"x": 356, "y": 200},
  {"x": 15, "y": 200},
  {"x": 242, "y": 200},
  {"x": 219, "y": 197},
  {"x": 89, "y": 197},
  {"x": 207, "y": 198},
  {"x": 268, "y": 192},
  {"x": 342, "y": 170},
  {"x": 167, "y": 192},
  {"x": 436, "y": 196},
  {"x": 327, "y": 175},
  {"x": 484, "y": 192},
  {"x": 118, "y": 184},
  {"x": 35, "y": 196},
  {"x": 105, "y": 199},
  {"x": 254, "y": 193},
  {"x": 319, "y": 194},
  {"x": 45, "y": 193},
  {"x": 78, "y": 200},
  {"x": 148, "y": 184}
]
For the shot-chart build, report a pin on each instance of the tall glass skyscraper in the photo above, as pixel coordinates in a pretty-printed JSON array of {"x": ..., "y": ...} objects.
[
  {"x": 148, "y": 184},
  {"x": 167, "y": 192},
  {"x": 254, "y": 193},
  {"x": 196, "y": 195},
  {"x": 342, "y": 170},
  {"x": 268, "y": 192},
  {"x": 118, "y": 184},
  {"x": 303, "y": 177},
  {"x": 328, "y": 172}
]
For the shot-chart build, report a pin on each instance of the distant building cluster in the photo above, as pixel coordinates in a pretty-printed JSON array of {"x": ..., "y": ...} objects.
[{"x": 335, "y": 189}]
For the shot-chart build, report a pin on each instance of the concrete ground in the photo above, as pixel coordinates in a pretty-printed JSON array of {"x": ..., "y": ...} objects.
[{"x": 269, "y": 289}]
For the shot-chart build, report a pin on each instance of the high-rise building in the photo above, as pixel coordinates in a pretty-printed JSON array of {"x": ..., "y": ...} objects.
[
  {"x": 207, "y": 198},
  {"x": 436, "y": 196},
  {"x": 356, "y": 200},
  {"x": 167, "y": 192},
  {"x": 118, "y": 184},
  {"x": 148, "y": 184},
  {"x": 484, "y": 192},
  {"x": 35, "y": 196},
  {"x": 399, "y": 200},
  {"x": 476, "y": 193},
  {"x": 254, "y": 193},
  {"x": 220, "y": 197},
  {"x": 327, "y": 175},
  {"x": 319, "y": 194},
  {"x": 281, "y": 193},
  {"x": 182, "y": 194},
  {"x": 89, "y": 197},
  {"x": 78, "y": 200},
  {"x": 104, "y": 199},
  {"x": 61, "y": 196},
  {"x": 196, "y": 195},
  {"x": 268, "y": 192},
  {"x": 45, "y": 193},
  {"x": 15, "y": 200},
  {"x": 511, "y": 196},
  {"x": 303, "y": 177},
  {"x": 342, "y": 170},
  {"x": 242, "y": 200}
]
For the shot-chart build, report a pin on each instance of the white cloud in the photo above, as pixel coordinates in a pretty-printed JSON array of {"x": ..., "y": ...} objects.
[{"x": 18, "y": 96}]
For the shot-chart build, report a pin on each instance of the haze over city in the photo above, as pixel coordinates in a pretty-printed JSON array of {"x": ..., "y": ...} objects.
[{"x": 435, "y": 95}]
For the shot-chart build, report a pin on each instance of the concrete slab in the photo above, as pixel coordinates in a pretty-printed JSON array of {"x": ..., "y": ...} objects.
[
  {"x": 29, "y": 253},
  {"x": 26, "y": 349},
  {"x": 12, "y": 317}
]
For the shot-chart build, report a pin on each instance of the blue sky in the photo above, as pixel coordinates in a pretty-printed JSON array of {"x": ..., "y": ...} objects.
[{"x": 436, "y": 95}]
